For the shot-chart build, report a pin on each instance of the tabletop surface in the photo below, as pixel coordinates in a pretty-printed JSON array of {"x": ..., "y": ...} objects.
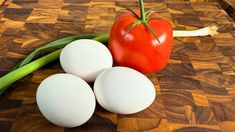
[{"x": 195, "y": 91}]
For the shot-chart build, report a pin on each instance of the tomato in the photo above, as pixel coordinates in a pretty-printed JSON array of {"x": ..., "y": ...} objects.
[{"x": 139, "y": 49}]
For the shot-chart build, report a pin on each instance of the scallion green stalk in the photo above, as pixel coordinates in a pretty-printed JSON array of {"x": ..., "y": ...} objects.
[{"x": 19, "y": 73}]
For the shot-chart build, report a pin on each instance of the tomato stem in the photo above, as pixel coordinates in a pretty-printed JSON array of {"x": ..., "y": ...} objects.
[
  {"x": 142, "y": 13},
  {"x": 144, "y": 18}
]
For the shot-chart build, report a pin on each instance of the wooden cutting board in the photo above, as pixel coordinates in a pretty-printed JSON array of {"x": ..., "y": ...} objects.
[{"x": 195, "y": 92}]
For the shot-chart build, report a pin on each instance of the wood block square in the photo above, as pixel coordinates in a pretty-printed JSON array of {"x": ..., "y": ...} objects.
[
  {"x": 26, "y": 3},
  {"x": 218, "y": 15},
  {"x": 182, "y": 83},
  {"x": 10, "y": 110},
  {"x": 100, "y": 17},
  {"x": 194, "y": 17},
  {"x": 14, "y": 32},
  {"x": 194, "y": 128},
  {"x": 65, "y": 29},
  {"x": 185, "y": 58},
  {"x": 5, "y": 126},
  {"x": 197, "y": 65},
  {"x": 225, "y": 42},
  {"x": 227, "y": 51},
  {"x": 176, "y": 97},
  {"x": 35, "y": 39},
  {"x": 46, "y": 29},
  {"x": 31, "y": 90},
  {"x": 16, "y": 47},
  {"x": 13, "y": 5},
  {"x": 199, "y": 24},
  {"x": 225, "y": 26},
  {"x": 226, "y": 68},
  {"x": 230, "y": 60},
  {"x": 78, "y": 16},
  {"x": 2, "y": 29},
  {"x": 227, "y": 126},
  {"x": 29, "y": 106},
  {"x": 231, "y": 92},
  {"x": 175, "y": 59},
  {"x": 200, "y": 98},
  {"x": 212, "y": 81},
  {"x": 229, "y": 81},
  {"x": 43, "y": 15},
  {"x": 142, "y": 124},
  {"x": 122, "y": 3},
  {"x": 17, "y": 14},
  {"x": 15, "y": 55},
  {"x": 176, "y": 114},
  {"x": 3, "y": 46},
  {"x": 182, "y": 6},
  {"x": 223, "y": 111},
  {"x": 190, "y": 47},
  {"x": 185, "y": 69},
  {"x": 207, "y": 46},
  {"x": 205, "y": 7},
  {"x": 219, "y": 98},
  {"x": 229, "y": 109},
  {"x": 190, "y": 113},
  {"x": 76, "y": 1},
  {"x": 39, "y": 26},
  {"x": 50, "y": 2},
  {"x": 79, "y": 7},
  {"x": 213, "y": 89},
  {"x": 13, "y": 24},
  {"x": 210, "y": 57},
  {"x": 160, "y": 6},
  {"x": 204, "y": 115}
]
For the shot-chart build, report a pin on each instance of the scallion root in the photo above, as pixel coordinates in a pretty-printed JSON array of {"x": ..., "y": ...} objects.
[{"x": 210, "y": 30}]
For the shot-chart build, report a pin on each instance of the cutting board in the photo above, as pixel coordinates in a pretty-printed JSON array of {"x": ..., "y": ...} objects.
[{"x": 195, "y": 91}]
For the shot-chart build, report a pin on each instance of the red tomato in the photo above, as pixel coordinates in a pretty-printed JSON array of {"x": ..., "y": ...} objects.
[{"x": 139, "y": 49}]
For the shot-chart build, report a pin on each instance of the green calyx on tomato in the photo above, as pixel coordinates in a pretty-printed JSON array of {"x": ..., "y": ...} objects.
[
  {"x": 144, "y": 18},
  {"x": 141, "y": 40}
]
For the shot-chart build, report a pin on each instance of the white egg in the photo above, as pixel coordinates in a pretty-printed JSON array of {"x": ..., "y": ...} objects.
[
  {"x": 85, "y": 58},
  {"x": 123, "y": 90},
  {"x": 65, "y": 100}
]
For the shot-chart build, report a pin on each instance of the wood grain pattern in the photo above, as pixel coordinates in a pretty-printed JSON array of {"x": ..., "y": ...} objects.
[{"x": 195, "y": 91}]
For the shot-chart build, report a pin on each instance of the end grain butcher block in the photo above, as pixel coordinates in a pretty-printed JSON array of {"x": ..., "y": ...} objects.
[{"x": 195, "y": 92}]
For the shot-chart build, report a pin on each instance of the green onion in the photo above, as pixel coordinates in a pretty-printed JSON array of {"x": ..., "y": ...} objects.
[{"x": 28, "y": 68}]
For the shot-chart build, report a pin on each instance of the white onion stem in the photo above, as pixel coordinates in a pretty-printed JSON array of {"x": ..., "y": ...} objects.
[{"x": 210, "y": 30}]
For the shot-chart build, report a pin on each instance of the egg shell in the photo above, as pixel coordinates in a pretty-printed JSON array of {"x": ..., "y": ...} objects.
[
  {"x": 124, "y": 90},
  {"x": 85, "y": 58},
  {"x": 65, "y": 100}
]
